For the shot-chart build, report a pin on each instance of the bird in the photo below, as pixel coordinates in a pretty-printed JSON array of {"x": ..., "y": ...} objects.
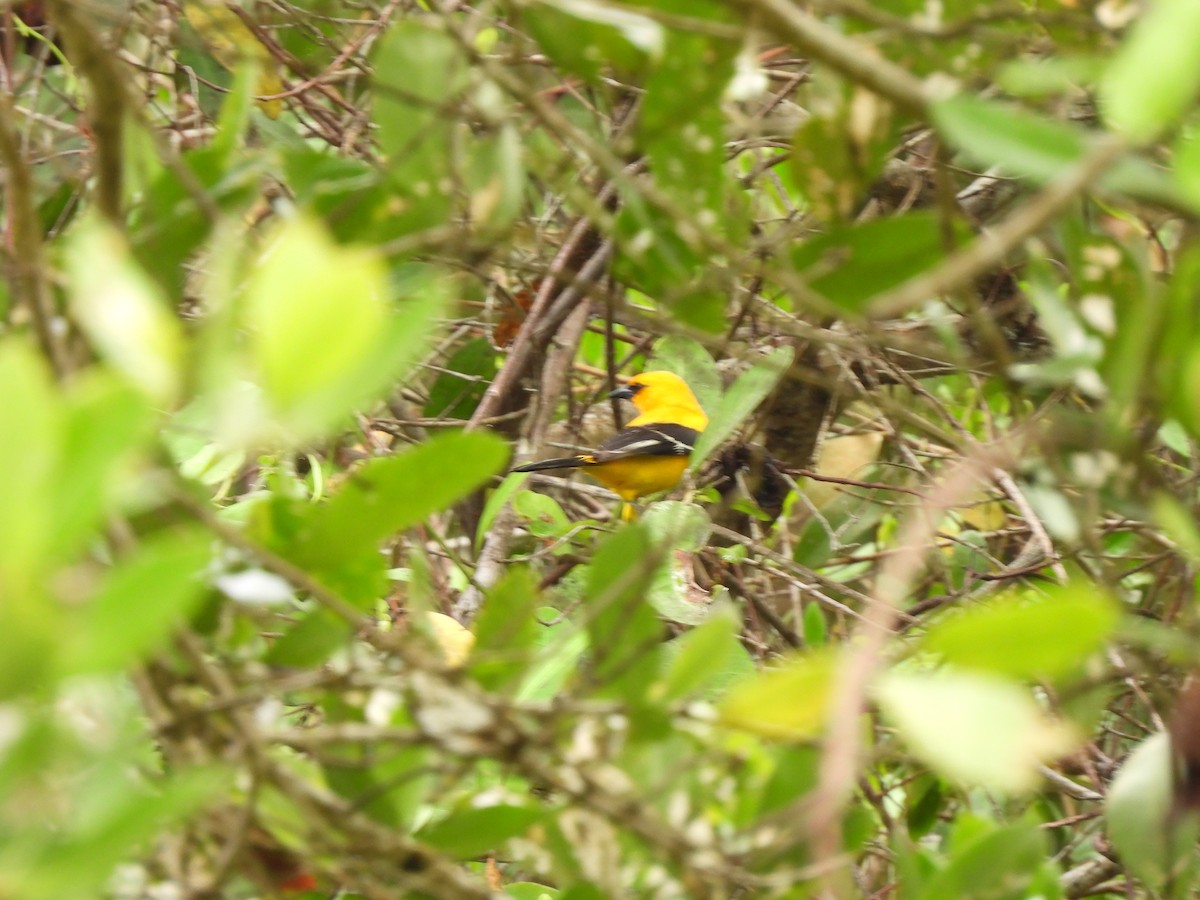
[{"x": 651, "y": 453}]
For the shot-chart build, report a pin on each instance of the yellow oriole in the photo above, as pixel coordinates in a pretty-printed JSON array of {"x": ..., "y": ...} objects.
[{"x": 649, "y": 454}]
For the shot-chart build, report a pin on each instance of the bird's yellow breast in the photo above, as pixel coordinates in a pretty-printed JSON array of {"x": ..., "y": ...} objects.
[{"x": 639, "y": 475}]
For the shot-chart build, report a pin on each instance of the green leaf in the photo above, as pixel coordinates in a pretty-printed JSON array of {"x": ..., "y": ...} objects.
[
  {"x": 688, "y": 359},
  {"x": 585, "y": 37},
  {"x": 681, "y": 124},
  {"x": 1138, "y": 809},
  {"x": 95, "y": 458},
  {"x": 1178, "y": 523},
  {"x": 389, "y": 494},
  {"x": 418, "y": 71},
  {"x": 701, "y": 654},
  {"x": 390, "y": 787},
  {"x": 971, "y": 728},
  {"x": 1155, "y": 76},
  {"x": 1039, "y": 638},
  {"x": 815, "y": 631},
  {"x": 556, "y": 660},
  {"x": 852, "y": 263},
  {"x": 1045, "y": 76},
  {"x": 323, "y": 338},
  {"x": 824, "y": 167},
  {"x": 657, "y": 260},
  {"x": 141, "y": 601},
  {"x": 418, "y": 68},
  {"x": 678, "y": 525},
  {"x": 125, "y": 315},
  {"x": 1186, "y": 155},
  {"x": 506, "y": 631},
  {"x": 925, "y": 798},
  {"x": 235, "y": 111},
  {"x": 530, "y": 890},
  {"x": 1001, "y": 865},
  {"x": 684, "y": 527},
  {"x": 469, "y": 833},
  {"x": 544, "y": 518},
  {"x": 1028, "y": 145},
  {"x": 310, "y": 641},
  {"x": 795, "y": 773},
  {"x": 31, "y": 418},
  {"x": 992, "y": 133},
  {"x": 458, "y": 389},
  {"x": 740, "y": 401},
  {"x": 496, "y": 182},
  {"x": 496, "y": 500},
  {"x": 623, "y": 629},
  {"x": 790, "y": 701},
  {"x": 79, "y": 862}
]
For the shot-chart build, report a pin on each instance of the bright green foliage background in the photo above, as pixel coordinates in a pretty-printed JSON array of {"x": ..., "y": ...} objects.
[{"x": 241, "y": 494}]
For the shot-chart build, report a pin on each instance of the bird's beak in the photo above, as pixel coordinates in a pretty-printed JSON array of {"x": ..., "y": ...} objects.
[{"x": 624, "y": 392}]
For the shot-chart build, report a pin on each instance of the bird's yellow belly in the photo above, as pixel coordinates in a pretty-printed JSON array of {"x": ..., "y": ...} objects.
[{"x": 640, "y": 475}]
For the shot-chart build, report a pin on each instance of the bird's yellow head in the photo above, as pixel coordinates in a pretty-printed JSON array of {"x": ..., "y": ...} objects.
[{"x": 663, "y": 397}]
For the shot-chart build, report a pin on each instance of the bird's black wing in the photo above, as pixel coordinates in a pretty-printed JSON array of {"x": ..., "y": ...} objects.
[{"x": 665, "y": 439}]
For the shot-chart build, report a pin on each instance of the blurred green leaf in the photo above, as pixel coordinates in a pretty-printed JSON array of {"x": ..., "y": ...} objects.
[
  {"x": 790, "y": 701},
  {"x": 653, "y": 257},
  {"x": 497, "y": 181},
  {"x": 750, "y": 389},
  {"x": 30, "y": 410},
  {"x": 1138, "y": 811},
  {"x": 542, "y": 515},
  {"x": 390, "y": 787},
  {"x": 681, "y": 124},
  {"x": 815, "y": 631},
  {"x": 124, "y": 313},
  {"x": 999, "y": 865},
  {"x": 1178, "y": 522},
  {"x": 992, "y": 133},
  {"x": 389, "y": 494},
  {"x": 141, "y": 601},
  {"x": 584, "y": 36},
  {"x": 467, "y": 373},
  {"x": 689, "y": 360},
  {"x": 1154, "y": 77},
  {"x": 623, "y": 630},
  {"x": 419, "y": 71},
  {"x": 681, "y": 526},
  {"x": 528, "y": 890},
  {"x": 1042, "y": 76},
  {"x": 684, "y": 527},
  {"x": 1024, "y": 144},
  {"x": 700, "y": 654},
  {"x": 323, "y": 338},
  {"x": 506, "y": 631},
  {"x": 557, "y": 658},
  {"x": 94, "y": 457},
  {"x": 852, "y": 263},
  {"x": 976, "y": 729},
  {"x": 1027, "y": 638},
  {"x": 79, "y": 862},
  {"x": 925, "y": 799},
  {"x": 470, "y": 833},
  {"x": 310, "y": 641}
]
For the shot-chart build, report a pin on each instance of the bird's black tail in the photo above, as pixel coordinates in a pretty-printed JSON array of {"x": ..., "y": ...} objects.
[{"x": 562, "y": 462}]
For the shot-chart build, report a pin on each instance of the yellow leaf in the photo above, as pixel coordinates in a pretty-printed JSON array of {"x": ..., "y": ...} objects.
[
  {"x": 845, "y": 456},
  {"x": 454, "y": 641},
  {"x": 788, "y": 702}
]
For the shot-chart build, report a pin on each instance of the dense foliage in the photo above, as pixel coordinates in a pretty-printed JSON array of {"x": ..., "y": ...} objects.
[{"x": 289, "y": 286}]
